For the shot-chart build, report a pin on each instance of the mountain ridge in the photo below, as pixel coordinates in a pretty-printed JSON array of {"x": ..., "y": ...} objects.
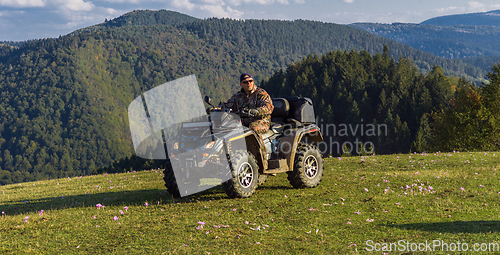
[
  {"x": 491, "y": 18},
  {"x": 453, "y": 36},
  {"x": 459, "y": 41}
]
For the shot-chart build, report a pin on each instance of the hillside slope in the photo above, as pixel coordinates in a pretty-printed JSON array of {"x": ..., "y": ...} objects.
[{"x": 383, "y": 197}]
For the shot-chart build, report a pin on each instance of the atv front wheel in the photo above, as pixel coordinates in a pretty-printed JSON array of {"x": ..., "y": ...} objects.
[
  {"x": 170, "y": 182},
  {"x": 308, "y": 167},
  {"x": 245, "y": 175}
]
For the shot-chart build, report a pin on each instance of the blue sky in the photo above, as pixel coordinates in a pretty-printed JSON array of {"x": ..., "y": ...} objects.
[{"x": 34, "y": 19}]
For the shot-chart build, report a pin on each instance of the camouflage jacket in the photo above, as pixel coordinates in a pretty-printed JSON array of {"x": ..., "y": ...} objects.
[{"x": 257, "y": 99}]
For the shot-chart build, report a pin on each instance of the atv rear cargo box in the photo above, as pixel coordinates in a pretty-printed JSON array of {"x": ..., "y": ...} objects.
[{"x": 301, "y": 109}]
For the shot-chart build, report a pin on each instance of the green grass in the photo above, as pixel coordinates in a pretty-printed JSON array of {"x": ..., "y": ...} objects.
[{"x": 449, "y": 197}]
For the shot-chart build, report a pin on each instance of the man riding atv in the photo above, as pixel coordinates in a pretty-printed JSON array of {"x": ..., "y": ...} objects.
[
  {"x": 204, "y": 148},
  {"x": 256, "y": 102}
]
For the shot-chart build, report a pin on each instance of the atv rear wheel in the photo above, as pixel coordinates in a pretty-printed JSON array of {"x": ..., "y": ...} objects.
[
  {"x": 308, "y": 167},
  {"x": 245, "y": 175},
  {"x": 170, "y": 182}
]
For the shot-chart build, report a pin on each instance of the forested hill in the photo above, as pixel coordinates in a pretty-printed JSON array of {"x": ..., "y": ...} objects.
[
  {"x": 491, "y": 18},
  {"x": 452, "y": 36},
  {"x": 372, "y": 101},
  {"x": 142, "y": 18},
  {"x": 63, "y": 102},
  {"x": 483, "y": 62},
  {"x": 457, "y": 41}
]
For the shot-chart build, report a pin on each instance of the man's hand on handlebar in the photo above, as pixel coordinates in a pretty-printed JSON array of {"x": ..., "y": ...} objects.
[
  {"x": 250, "y": 112},
  {"x": 253, "y": 112}
]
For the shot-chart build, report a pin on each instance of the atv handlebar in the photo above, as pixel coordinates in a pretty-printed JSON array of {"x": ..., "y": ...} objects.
[
  {"x": 218, "y": 109},
  {"x": 244, "y": 111}
]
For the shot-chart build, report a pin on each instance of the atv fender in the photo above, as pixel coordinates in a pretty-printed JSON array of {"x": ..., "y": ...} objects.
[
  {"x": 291, "y": 139},
  {"x": 254, "y": 146}
]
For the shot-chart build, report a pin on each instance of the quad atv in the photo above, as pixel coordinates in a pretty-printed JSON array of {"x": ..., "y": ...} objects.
[{"x": 203, "y": 145}]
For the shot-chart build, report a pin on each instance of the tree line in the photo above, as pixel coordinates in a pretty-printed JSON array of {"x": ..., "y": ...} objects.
[{"x": 401, "y": 109}]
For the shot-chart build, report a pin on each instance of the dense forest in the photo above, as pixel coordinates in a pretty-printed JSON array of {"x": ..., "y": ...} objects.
[
  {"x": 359, "y": 92},
  {"x": 11, "y": 43},
  {"x": 63, "y": 107},
  {"x": 482, "y": 62},
  {"x": 364, "y": 99},
  {"x": 471, "y": 122}
]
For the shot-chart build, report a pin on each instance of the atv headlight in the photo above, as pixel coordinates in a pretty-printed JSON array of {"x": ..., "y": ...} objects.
[
  {"x": 209, "y": 145},
  {"x": 175, "y": 145}
]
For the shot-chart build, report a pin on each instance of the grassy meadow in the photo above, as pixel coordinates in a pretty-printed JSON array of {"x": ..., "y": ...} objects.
[{"x": 406, "y": 203}]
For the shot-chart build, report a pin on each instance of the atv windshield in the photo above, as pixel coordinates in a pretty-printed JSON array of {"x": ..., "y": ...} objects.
[{"x": 170, "y": 122}]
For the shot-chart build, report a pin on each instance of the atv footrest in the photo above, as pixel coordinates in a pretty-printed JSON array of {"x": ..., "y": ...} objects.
[{"x": 276, "y": 166}]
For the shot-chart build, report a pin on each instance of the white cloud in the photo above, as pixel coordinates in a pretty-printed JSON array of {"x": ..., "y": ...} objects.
[
  {"x": 77, "y": 5},
  {"x": 262, "y": 2},
  {"x": 234, "y": 13},
  {"x": 234, "y": 2},
  {"x": 185, "y": 4},
  {"x": 219, "y": 11},
  {"x": 22, "y": 3},
  {"x": 76, "y": 19},
  {"x": 445, "y": 10},
  {"x": 111, "y": 11},
  {"x": 348, "y": 1},
  {"x": 222, "y": 8},
  {"x": 476, "y": 7},
  {"x": 213, "y": 2},
  {"x": 123, "y": 1},
  {"x": 215, "y": 10}
]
